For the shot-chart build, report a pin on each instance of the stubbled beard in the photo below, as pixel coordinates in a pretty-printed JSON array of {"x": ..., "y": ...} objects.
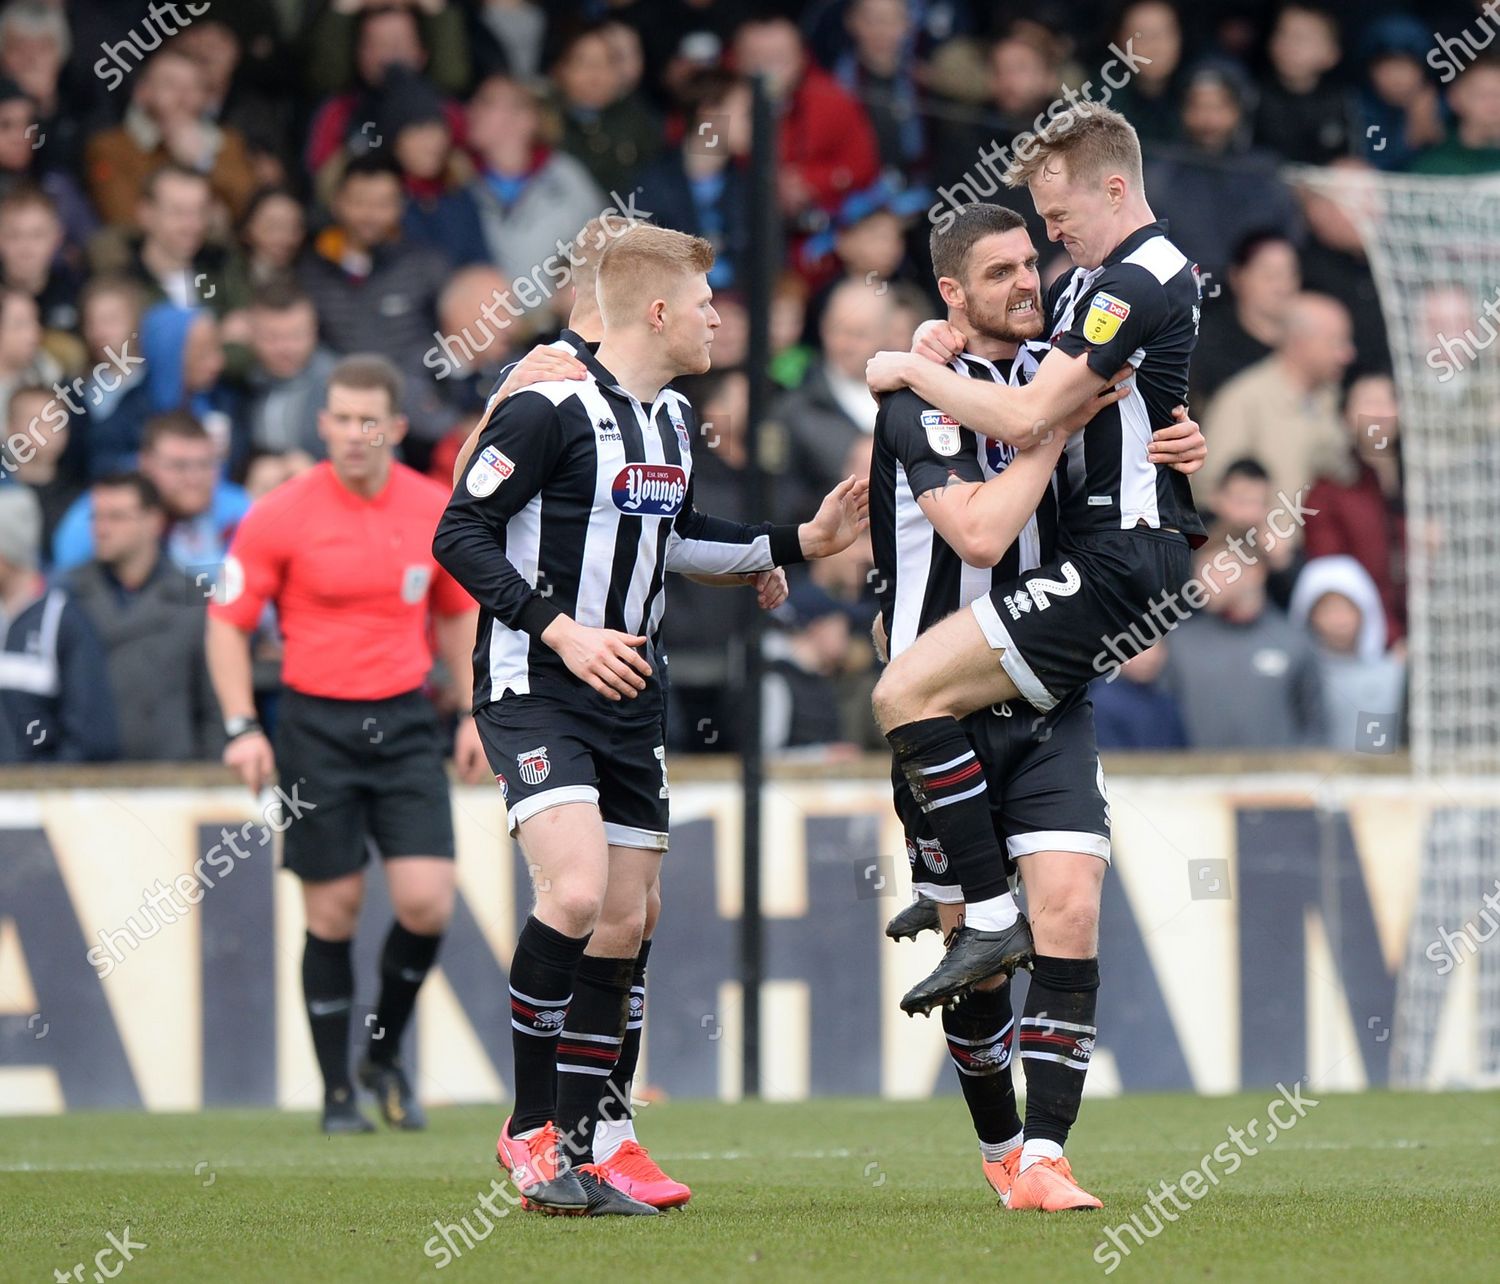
[{"x": 999, "y": 327}]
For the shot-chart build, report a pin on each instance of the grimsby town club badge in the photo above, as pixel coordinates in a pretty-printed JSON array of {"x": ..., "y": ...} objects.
[{"x": 534, "y": 766}]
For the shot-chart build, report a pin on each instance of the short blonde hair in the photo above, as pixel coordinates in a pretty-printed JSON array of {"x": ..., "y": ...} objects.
[
  {"x": 1094, "y": 140},
  {"x": 636, "y": 262}
]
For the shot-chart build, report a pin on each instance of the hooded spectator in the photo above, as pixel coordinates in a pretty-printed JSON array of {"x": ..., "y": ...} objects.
[
  {"x": 109, "y": 418},
  {"x": 1358, "y": 509},
  {"x": 1363, "y": 682},
  {"x": 1401, "y": 111}
]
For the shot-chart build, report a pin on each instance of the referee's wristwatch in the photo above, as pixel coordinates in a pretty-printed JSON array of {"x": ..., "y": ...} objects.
[{"x": 243, "y": 725}]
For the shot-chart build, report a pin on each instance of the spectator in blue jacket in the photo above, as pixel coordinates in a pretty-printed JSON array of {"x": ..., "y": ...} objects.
[{"x": 180, "y": 459}]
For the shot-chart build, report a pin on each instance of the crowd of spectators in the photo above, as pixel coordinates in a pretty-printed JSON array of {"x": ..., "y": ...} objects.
[{"x": 200, "y": 213}]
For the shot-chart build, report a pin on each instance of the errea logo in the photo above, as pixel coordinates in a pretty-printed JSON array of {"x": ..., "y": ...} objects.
[{"x": 607, "y": 429}]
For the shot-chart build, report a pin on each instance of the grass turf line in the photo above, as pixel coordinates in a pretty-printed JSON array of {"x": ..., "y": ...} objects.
[{"x": 1365, "y": 1188}]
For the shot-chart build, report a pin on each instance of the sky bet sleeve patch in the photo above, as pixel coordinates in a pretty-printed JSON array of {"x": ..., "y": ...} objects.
[
  {"x": 1105, "y": 315},
  {"x": 488, "y": 471},
  {"x": 942, "y": 432}
]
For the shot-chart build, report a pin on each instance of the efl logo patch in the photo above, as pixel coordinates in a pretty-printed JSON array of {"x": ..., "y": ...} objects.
[
  {"x": 942, "y": 431},
  {"x": 534, "y": 766},
  {"x": 650, "y": 490},
  {"x": 1105, "y": 315},
  {"x": 486, "y": 473}
]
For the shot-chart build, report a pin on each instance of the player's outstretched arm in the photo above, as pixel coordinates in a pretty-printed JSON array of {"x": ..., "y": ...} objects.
[
  {"x": 538, "y": 366},
  {"x": 841, "y": 517}
]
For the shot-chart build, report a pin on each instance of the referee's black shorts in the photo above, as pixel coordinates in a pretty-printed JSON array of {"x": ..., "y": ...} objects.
[
  {"x": 1099, "y": 602},
  {"x": 369, "y": 771}
]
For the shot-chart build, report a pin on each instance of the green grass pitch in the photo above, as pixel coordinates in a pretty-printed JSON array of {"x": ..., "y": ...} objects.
[{"x": 1365, "y": 1188}]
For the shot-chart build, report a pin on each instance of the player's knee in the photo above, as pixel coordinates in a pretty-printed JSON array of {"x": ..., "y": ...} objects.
[
  {"x": 619, "y": 935},
  {"x": 427, "y": 914},
  {"x": 653, "y": 911},
  {"x": 577, "y": 905},
  {"x": 890, "y": 699},
  {"x": 1068, "y": 926},
  {"x": 332, "y": 916}
]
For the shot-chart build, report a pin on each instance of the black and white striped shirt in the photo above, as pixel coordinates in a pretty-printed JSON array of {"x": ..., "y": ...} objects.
[
  {"x": 920, "y": 578},
  {"x": 577, "y": 501},
  {"x": 1140, "y": 306}
]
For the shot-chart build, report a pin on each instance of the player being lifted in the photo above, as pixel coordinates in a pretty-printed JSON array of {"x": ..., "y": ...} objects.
[
  {"x": 1125, "y": 522},
  {"x": 951, "y": 515},
  {"x": 577, "y": 502}
]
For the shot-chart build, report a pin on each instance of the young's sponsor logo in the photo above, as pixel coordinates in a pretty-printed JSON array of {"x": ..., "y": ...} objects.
[{"x": 650, "y": 490}]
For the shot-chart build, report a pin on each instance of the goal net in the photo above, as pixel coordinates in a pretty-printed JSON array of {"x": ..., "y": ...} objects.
[{"x": 1434, "y": 249}]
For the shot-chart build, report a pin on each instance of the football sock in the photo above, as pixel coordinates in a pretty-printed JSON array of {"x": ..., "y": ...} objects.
[
  {"x": 541, "y": 987},
  {"x": 404, "y": 964},
  {"x": 328, "y": 991},
  {"x": 947, "y": 782},
  {"x": 589, "y": 1047},
  {"x": 616, "y": 1119},
  {"x": 1057, "y": 1042},
  {"x": 992, "y": 915},
  {"x": 979, "y": 1029}
]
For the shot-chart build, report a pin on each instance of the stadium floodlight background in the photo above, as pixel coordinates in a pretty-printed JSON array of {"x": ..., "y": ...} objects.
[{"x": 1434, "y": 250}]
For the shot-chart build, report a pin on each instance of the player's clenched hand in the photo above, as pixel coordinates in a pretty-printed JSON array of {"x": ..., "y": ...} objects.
[
  {"x": 541, "y": 365},
  {"x": 604, "y": 658},
  {"x": 843, "y": 514},
  {"x": 770, "y": 588},
  {"x": 938, "y": 341},
  {"x": 887, "y": 371},
  {"x": 1179, "y": 445},
  {"x": 250, "y": 758}
]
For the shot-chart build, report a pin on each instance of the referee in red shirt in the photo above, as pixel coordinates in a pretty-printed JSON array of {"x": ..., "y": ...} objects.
[{"x": 344, "y": 553}]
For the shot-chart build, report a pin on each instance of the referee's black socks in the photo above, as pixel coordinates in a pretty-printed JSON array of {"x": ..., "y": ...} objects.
[
  {"x": 328, "y": 990},
  {"x": 541, "y": 990},
  {"x": 589, "y": 1048},
  {"x": 404, "y": 964},
  {"x": 1057, "y": 1043},
  {"x": 948, "y": 783}
]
